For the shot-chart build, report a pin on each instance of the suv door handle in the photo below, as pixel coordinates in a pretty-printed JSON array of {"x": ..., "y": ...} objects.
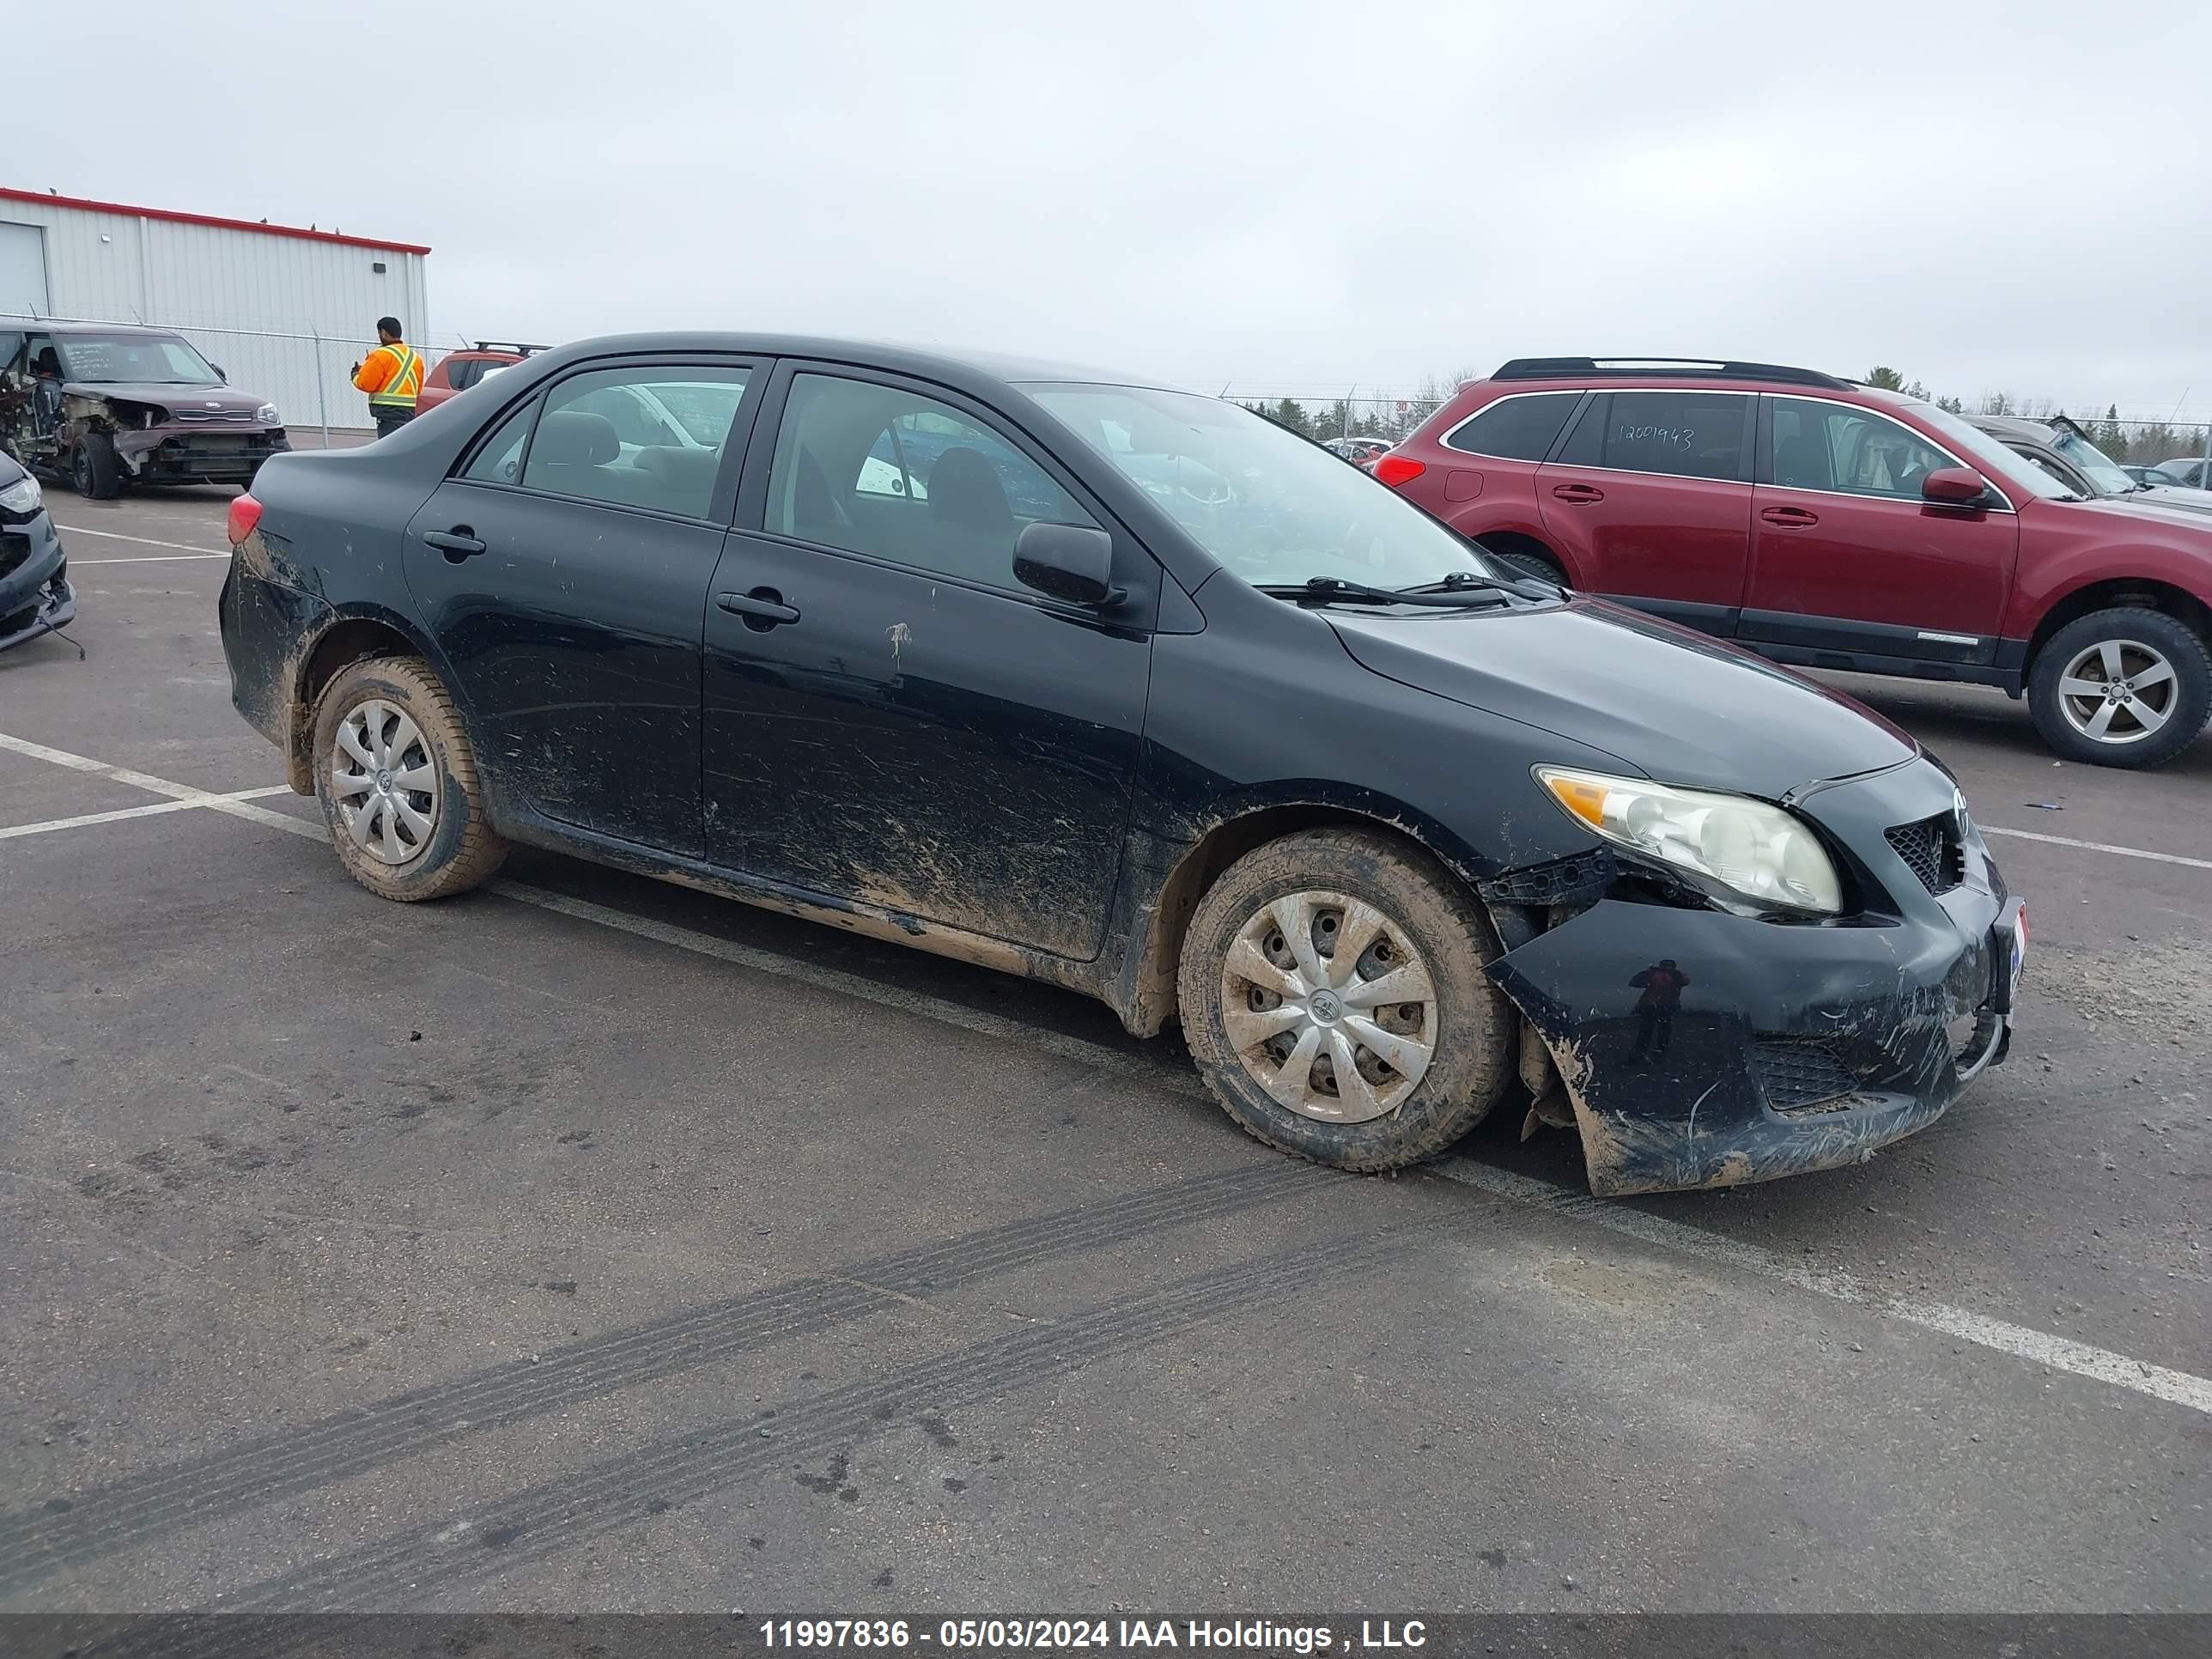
[
  {"x": 761, "y": 608},
  {"x": 1578, "y": 494},
  {"x": 457, "y": 544},
  {"x": 1788, "y": 518}
]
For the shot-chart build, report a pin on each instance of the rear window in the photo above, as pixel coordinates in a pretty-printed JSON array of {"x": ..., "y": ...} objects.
[
  {"x": 1690, "y": 434},
  {"x": 1515, "y": 428}
]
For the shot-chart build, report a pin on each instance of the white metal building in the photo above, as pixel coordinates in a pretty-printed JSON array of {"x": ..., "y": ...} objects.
[{"x": 286, "y": 311}]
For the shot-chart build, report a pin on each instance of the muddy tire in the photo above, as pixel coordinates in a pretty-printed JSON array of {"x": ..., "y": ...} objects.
[
  {"x": 2162, "y": 681},
  {"x": 398, "y": 784},
  {"x": 94, "y": 470},
  {"x": 1371, "y": 1064}
]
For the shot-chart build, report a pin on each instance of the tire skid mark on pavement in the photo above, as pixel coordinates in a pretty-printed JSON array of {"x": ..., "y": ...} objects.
[
  {"x": 428, "y": 1559},
  {"x": 138, "y": 1508}
]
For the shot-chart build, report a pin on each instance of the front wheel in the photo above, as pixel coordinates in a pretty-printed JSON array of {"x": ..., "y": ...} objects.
[
  {"x": 94, "y": 470},
  {"x": 1332, "y": 994},
  {"x": 2128, "y": 687},
  {"x": 398, "y": 781}
]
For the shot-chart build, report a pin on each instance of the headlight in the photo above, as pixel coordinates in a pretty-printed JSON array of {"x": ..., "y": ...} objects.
[
  {"x": 1756, "y": 852},
  {"x": 21, "y": 497},
  {"x": 266, "y": 414}
]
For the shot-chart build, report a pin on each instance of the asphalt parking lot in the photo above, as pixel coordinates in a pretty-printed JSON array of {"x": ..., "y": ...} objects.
[{"x": 585, "y": 1244}]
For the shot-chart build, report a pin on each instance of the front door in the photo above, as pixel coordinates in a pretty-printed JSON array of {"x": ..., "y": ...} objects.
[
  {"x": 1848, "y": 558},
  {"x": 1652, "y": 492},
  {"x": 563, "y": 572},
  {"x": 890, "y": 717}
]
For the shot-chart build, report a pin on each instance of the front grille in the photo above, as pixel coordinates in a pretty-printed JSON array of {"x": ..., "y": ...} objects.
[
  {"x": 1801, "y": 1076},
  {"x": 213, "y": 417},
  {"x": 1933, "y": 850}
]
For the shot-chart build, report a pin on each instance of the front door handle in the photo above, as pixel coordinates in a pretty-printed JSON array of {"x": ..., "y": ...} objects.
[
  {"x": 457, "y": 544},
  {"x": 761, "y": 608},
  {"x": 1788, "y": 518},
  {"x": 1578, "y": 494}
]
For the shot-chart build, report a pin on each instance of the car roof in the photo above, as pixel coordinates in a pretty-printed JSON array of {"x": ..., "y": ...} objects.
[
  {"x": 2012, "y": 426},
  {"x": 923, "y": 362}
]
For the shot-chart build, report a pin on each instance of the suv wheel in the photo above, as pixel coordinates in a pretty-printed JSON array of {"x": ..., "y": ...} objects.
[
  {"x": 398, "y": 782},
  {"x": 1543, "y": 568},
  {"x": 2128, "y": 687},
  {"x": 94, "y": 470},
  {"x": 1333, "y": 995}
]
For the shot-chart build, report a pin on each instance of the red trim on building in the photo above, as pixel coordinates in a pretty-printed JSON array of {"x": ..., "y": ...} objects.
[{"x": 44, "y": 200}]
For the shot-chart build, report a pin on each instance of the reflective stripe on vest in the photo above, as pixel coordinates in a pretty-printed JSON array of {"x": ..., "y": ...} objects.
[{"x": 402, "y": 386}]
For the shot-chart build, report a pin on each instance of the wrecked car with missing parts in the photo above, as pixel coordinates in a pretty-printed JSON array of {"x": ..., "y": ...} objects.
[
  {"x": 103, "y": 405},
  {"x": 954, "y": 653}
]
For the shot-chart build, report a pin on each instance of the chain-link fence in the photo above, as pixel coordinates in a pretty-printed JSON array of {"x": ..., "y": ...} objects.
[{"x": 308, "y": 376}]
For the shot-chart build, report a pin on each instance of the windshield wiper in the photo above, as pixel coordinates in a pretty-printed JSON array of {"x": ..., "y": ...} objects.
[{"x": 1332, "y": 590}]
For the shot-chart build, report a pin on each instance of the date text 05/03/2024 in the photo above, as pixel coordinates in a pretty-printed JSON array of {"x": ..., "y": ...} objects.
[{"x": 1036, "y": 1635}]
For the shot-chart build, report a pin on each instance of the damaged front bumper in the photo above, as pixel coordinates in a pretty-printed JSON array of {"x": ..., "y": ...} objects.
[
  {"x": 1699, "y": 1048},
  {"x": 35, "y": 595},
  {"x": 176, "y": 453}
]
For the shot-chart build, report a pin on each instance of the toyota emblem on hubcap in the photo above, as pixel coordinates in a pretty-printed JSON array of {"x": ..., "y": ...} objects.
[{"x": 1325, "y": 1006}]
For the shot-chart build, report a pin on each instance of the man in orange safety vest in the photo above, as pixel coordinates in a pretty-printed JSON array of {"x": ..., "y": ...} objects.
[{"x": 391, "y": 375}]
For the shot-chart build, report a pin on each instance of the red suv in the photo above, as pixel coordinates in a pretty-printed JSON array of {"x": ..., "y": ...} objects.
[
  {"x": 1824, "y": 523},
  {"x": 456, "y": 371}
]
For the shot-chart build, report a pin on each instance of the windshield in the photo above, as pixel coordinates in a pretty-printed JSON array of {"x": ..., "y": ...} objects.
[
  {"x": 127, "y": 358},
  {"x": 1268, "y": 505},
  {"x": 1991, "y": 456},
  {"x": 2102, "y": 472}
]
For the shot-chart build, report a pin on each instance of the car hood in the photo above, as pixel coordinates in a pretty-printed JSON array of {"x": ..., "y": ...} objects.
[
  {"x": 170, "y": 395},
  {"x": 1673, "y": 704},
  {"x": 2169, "y": 495}
]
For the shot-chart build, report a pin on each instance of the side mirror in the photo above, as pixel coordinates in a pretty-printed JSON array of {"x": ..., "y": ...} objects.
[
  {"x": 1068, "y": 562},
  {"x": 1954, "y": 486}
]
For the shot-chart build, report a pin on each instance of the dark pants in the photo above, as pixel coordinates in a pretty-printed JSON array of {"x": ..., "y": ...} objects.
[
  {"x": 390, "y": 418},
  {"x": 1656, "y": 1021}
]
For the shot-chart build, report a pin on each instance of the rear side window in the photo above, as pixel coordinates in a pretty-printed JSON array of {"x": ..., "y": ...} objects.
[
  {"x": 649, "y": 436},
  {"x": 1690, "y": 434},
  {"x": 1515, "y": 428},
  {"x": 462, "y": 372},
  {"x": 500, "y": 461}
]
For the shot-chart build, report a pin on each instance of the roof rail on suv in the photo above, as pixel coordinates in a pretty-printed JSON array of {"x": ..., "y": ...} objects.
[
  {"x": 519, "y": 351},
  {"x": 1552, "y": 368}
]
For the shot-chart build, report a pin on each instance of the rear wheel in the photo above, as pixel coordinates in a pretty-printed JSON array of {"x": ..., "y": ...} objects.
[
  {"x": 1333, "y": 996},
  {"x": 2127, "y": 687},
  {"x": 398, "y": 784},
  {"x": 94, "y": 470},
  {"x": 1541, "y": 566}
]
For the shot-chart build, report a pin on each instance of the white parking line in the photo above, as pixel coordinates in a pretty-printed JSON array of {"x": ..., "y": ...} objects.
[
  {"x": 2059, "y": 1353},
  {"x": 1999, "y": 1335},
  {"x": 152, "y": 558},
  {"x": 143, "y": 541},
  {"x": 8, "y": 832},
  {"x": 2099, "y": 847}
]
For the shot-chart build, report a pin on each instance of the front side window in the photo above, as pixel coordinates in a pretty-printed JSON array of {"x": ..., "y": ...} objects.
[
  {"x": 1691, "y": 434},
  {"x": 616, "y": 435},
  {"x": 1854, "y": 452},
  {"x": 1989, "y": 454},
  {"x": 1262, "y": 501},
  {"x": 130, "y": 359},
  {"x": 1515, "y": 428},
  {"x": 889, "y": 473}
]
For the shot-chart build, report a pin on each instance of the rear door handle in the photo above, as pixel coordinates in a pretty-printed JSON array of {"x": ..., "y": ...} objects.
[
  {"x": 1788, "y": 518},
  {"x": 761, "y": 608},
  {"x": 1578, "y": 494},
  {"x": 457, "y": 544}
]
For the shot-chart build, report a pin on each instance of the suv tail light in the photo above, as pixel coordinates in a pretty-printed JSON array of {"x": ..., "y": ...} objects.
[
  {"x": 245, "y": 514},
  {"x": 1395, "y": 469}
]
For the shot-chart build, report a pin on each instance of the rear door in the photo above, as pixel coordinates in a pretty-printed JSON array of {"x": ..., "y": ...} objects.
[
  {"x": 1848, "y": 558},
  {"x": 1651, "y": 494},
  {"x": 563, "y": 570}
]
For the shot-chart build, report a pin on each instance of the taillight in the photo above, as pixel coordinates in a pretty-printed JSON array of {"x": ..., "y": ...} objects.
[
  {"x": 245, "y": 514},
  {"x": 1396, "y": 470}
]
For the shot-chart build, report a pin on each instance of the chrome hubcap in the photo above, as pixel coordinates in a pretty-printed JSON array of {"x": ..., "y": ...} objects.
[
  {"x": 2118, "y": 691},
  {"x": 1328, "y": 1006},
  {"x": 383, "y": 782}
]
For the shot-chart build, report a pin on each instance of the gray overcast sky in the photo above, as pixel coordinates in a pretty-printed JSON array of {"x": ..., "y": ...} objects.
[{"x": 1290, "y": 197}]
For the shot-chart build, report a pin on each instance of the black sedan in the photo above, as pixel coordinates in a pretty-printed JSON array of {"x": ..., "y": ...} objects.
[{"x": 1130, "y": 691}]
